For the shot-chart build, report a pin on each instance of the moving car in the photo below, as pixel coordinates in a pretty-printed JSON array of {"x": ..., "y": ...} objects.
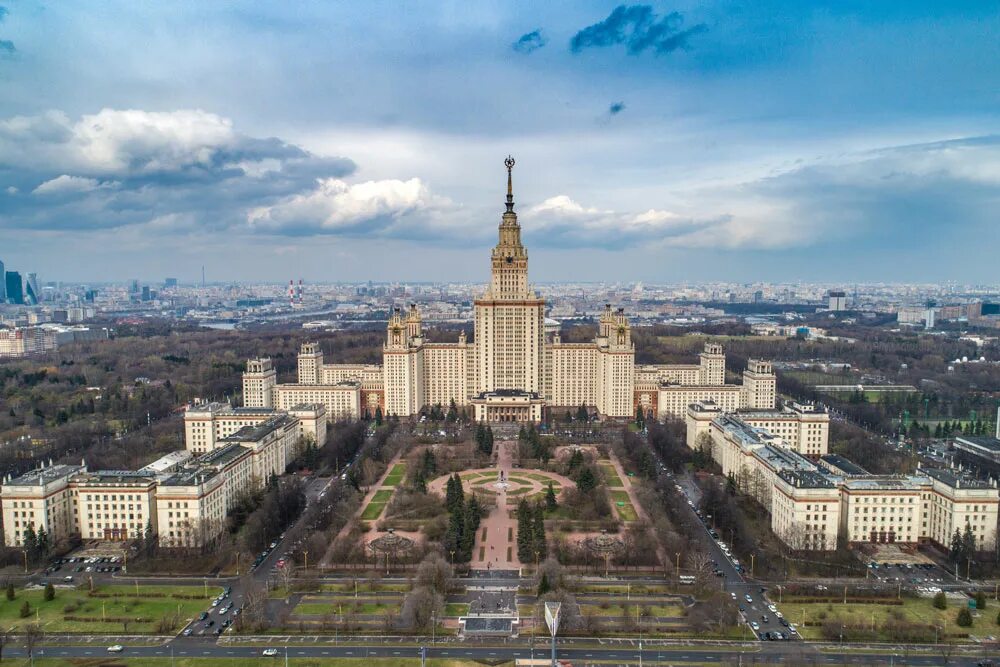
[
  {"x": 116, "y": 648},
  {"x": 269, "y": 652}
]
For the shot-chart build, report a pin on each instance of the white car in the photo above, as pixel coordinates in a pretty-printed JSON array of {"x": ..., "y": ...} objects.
[
  {"x": 748, "y": 599},
  {"x": 772, "y": 608},
  {"x": 733, "y": 595},
  {"x": 116, "y": 648},
  {"x": 754, "y": 625},
  {"x": 269, "y": 652}
]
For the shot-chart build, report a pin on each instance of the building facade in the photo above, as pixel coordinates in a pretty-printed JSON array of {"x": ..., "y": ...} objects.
[
  {"x": 818, "y": 501},
  {"x": 516, "y": 368}
]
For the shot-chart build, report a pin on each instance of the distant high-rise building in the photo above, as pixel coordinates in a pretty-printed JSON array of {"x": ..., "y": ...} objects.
[
  {"x": 133, "y": 287},
  {"x": 15, "y": 288},
  {"x": 3, "y": 284},
  {"x": 145, "y": 292},
  {"x": 837, "y": 300},
  {"x": 32, "y": 294},
  {"x": 170, "y": 282},
  {"x": 758, "y": 296}
]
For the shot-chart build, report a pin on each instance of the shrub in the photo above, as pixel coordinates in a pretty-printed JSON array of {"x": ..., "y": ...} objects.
[
  {"x": 10, "y": 591},
  {"x": 25, "y": 609},
  {"x": 50, "y": 592},
  {"x": 940, "y": 600},
  {"x": 964, "y": 618},
  {"x": 980, "y": 600}
]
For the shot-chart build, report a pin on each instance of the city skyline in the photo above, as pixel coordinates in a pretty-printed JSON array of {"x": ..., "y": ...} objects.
[{"x": 662, "y": 143}]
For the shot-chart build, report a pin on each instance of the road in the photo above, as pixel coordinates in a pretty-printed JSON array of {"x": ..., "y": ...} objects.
[
  {"x": 626, "y": 653},
  {"x": 749, "y": 596}
]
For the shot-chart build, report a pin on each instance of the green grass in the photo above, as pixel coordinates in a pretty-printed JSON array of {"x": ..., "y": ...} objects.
[
  {"x": 360, "y": 607},
  {"x": 372, "y": 511},
  {"x": 611, "y": 477},
  {"x": 666, "y": 610},
  {"x": 456, "y": 609},
  {"x": 914, "y": 610},
  {"x": 124, "y": 659},
  {"x": 382, "y": 496},
  {"x": 623, "y": 589},
  {"x": 144, "y": 606},
  {"x": 626, "y": 512},
  {"x": 395, "y": 475},
  {"x": 365, "y": 586}
]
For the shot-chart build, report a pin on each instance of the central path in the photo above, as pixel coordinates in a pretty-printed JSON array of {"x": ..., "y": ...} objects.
[{"x": 497, "y": 537}]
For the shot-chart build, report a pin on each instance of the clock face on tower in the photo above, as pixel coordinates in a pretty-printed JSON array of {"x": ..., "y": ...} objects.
[{"x": 510, "y": 260}]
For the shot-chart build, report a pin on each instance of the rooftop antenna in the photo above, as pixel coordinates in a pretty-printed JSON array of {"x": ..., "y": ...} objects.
[{"x": 202, "y": 275}]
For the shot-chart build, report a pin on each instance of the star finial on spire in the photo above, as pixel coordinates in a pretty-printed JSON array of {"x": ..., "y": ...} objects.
[{"x": 509, "y": 163}]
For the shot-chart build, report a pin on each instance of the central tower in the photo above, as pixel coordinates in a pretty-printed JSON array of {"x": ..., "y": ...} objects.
[{"x": 509, "y": 316}]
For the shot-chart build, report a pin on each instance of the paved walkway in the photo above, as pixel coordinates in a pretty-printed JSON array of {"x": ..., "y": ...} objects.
[{"x": 497, "y": 537}]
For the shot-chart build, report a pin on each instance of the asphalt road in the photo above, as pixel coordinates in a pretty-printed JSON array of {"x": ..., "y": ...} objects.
[{"x": 627, "y": 654}]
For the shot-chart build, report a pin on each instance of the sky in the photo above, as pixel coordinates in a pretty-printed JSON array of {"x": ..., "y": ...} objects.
[{"x": 742, "y": 141}]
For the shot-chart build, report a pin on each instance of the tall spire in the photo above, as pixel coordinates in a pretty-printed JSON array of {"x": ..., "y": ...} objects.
[{"x": 509, "y": 162}]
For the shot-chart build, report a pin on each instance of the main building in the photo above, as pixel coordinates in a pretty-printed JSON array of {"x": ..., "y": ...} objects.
[{"x": 516, "y": 366}]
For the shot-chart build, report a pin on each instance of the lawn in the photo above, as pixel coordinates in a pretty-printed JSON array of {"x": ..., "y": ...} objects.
[
  {"x": 373, "y": 607},
  {"x": 73, "y": 610},
  {"x": 625, "y": 511},
  {"x": 372, "y": 511},
  {"x": 382, "y": 496},
  {"x": 611, "y": 477},
  {"x": 126, "y": 661},
  {"x": 622, "y": 589},
  {"x": 914, "y": 610},
  {"x": 456, "y": 609},
  {"x": 664, "y": 610},
  {"x": 365, "y": 586},
  {"x": 395, "y": 476}
]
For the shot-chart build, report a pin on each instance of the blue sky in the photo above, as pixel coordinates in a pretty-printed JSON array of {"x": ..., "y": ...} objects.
[{"x": 764, "y": 140}]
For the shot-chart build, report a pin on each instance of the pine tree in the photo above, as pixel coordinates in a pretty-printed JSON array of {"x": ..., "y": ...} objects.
[
  {"x": 30, "y": 542},
  {"x": 10, "y": 591},
  {"x": 419, "y": 483},
  {"x": 429, "y": 463},
  {"x": 452, "y": 537},
  {"x": 524, "y": 536},
  {"x": 42, "y": 543},
  {"x": 550, "y": 498},
  {"x": 980, "y": 600},
  {"x": 940, "y": 600},
  {"x": 50, "y": 592},
  {"x": 538, "y": 533},
  {"x": 468, "y": 539},
  {"x": 575, "y": 461},
  {"x": 582, "y": 414},
  {"x": 378, "y": 416},
  {"x": 964, "y": 618},
  {"x": 25, "y": 609},
  {"x": 543, "y": 585},
  {"x": 586, "y": 481}
]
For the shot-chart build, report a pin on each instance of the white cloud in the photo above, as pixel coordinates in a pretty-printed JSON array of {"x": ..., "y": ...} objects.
[
  {"x": 562, "y": 221},
  {"x": 66, "y": 184},
  {"x": 335, "y": 206},
  {"x": 133, "y": 142}
]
